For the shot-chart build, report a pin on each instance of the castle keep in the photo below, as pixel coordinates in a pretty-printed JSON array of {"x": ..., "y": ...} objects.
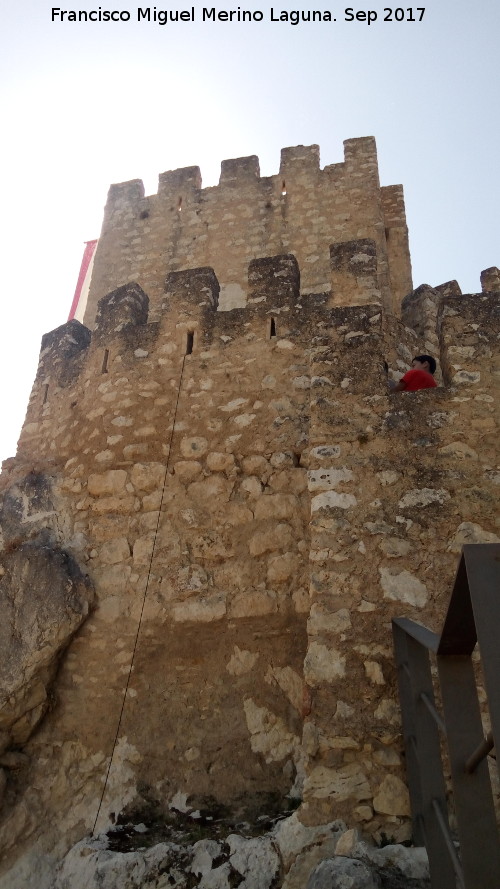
[{"x": 216, "y": 506}]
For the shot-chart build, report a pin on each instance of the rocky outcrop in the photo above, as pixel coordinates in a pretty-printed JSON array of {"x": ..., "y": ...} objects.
[
  {"x": 45, "y": 597},
  {"x": 289, "y": 856}
]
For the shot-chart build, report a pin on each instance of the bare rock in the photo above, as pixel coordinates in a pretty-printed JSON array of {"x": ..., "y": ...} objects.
[
  {"x": 45, "y": 597},
  {"x": 341, "y": 873}
]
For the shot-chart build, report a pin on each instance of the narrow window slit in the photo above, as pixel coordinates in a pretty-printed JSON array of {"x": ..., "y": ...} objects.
[
  {"x": 296, "y": 458},
  {"x": 189, "y": 342},
  {"x": 179, "y": 205},
  {"x": 283, "y": 187},
  {"x": 104, "y": 368},
  {"x": 45, "y": 393},
  {"x": 272, "y": 329}
]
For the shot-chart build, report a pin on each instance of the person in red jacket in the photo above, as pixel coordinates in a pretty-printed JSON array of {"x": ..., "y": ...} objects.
[{"x": 419, "y": 377}]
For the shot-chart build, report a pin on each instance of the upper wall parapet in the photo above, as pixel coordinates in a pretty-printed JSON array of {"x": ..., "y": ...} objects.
[
  {"x": 302, "y": 210},
  {"x": 360, "y": 161}
]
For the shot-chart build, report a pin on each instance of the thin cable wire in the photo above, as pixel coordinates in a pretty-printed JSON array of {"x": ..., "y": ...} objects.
[{"x": 143, "y": 600}]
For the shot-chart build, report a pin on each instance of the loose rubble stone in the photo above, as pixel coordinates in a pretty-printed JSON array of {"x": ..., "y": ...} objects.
[{"x": 342, "y": 873}]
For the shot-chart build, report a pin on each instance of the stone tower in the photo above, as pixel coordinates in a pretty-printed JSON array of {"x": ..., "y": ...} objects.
[{"x": 216, "y": 506}]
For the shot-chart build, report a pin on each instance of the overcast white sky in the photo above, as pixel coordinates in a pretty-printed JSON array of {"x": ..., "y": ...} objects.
[{"x": 85, "y": 105}]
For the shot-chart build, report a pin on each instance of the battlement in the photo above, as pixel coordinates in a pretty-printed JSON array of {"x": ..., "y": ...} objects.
[
  {"x": 277, "y": 315},
  {"x": 301, "y": 210}
]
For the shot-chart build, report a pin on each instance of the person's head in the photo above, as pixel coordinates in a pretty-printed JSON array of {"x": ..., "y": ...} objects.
[{"x": 424, "y": 362}]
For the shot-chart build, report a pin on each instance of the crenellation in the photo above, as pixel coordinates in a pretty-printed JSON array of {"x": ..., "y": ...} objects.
[
  {"x": 354, "y": 272},
  {"x": 127, "y": 305},
  {"x": 449, "y": 288},
  {"x": 301, "y": 210},
  {"x": 174, "y": 183},
  {"x": 490, "y": 279},
  {"x": 240, "y": 170},
  {"x": 301, "y": 160},
  {"x": 123, "y": 197},
  {"x": 198, "y": 287},
  {"x": 275, "y": 279},
  {"x": 419, "y": 311}
]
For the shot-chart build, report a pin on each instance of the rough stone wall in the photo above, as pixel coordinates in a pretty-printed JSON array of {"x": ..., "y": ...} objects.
[
  {"x": 301, "y": 210},
  {"x": 252, "y": 507}
]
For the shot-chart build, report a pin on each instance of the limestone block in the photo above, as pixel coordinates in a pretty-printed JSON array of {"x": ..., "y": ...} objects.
[
  {"x": 388, "y": 711},
  {"x": 237, "y": 514},
  {"x": 193, "y": 446},
  {"x": 251, "y": 486},
  {"x": 420, "y": 497},
  {"x": 143, "y": 549},
  {"x": 256, "y": 465},
  {"x": 323, "y": 664},
  {"x": 218, "y": 462},
  {"x": 292, "y": 837},
  {"x": 254, "y": 858},
  {"x": 91, "y": 865},
  {"x": 332, "y": 500},
  {"x": 291, "y": 684},
  {"x": 187, "y": 470},
  {"x": 203, "y": 609},
  {"x": 122, "y": 421},
  {"x": 198, "y": 286},
  {"x": 46, "y": 597},
  {"x": 233, "y": 405},
  {"x": 392, "y": 797},
  {"x": 243, "y": 420},
  {"x": 403, "y": 587},
  {"x": 459, "y": 449},
  {"x": 291, "y": 480},
  {"x": 241, "y": 661},
  {"x": 108, "y": 527},
  {"x": 111, "y": 483},
  {"x": 253, "y": 603},
  {"x": 126, "y": 305},
  {"x": 281, "y": 568},
  {"x": 279, "y": 537},
  {"x": 112, "y": 580},
  {"x": 322, "y": 621},
  {"x": 209, "y": 546},
  {"x": 342, "y": 873},
  {"x": 386, "y": 756},
  {"x": 114, "y": 551},
  {"x": 301, "y": 382},
  {"x": 347, "y": 843},
  {"x": 394, "y": 547},
  {"x": 346, "y": 783},
  {"x": 374, "y": 673},
  {"x": 192, "y": 578},
  {"x": 490, "y": 279},
  {"x": 147, "y": 476},
  {"x": 388, "y": 477},
  {"x": 205, "y": 851},
  {"x": 117, "y": 505},
  {"x": 326, "y": 479},
  {"x": 277, "y": 278},
  {"x": 212, "y": 492},
  {"x": 471, "y": 532},
  {"x": 268, "y": 733},
  {"x": 325, "y": 452},
  {"x": 152, "y": 502},
  {"x": 465, "y": 378},
  {"x": 411, "y": 862}
]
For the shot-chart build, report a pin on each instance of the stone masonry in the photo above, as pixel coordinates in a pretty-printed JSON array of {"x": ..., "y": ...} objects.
[{"x": 237, "y": 506}]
